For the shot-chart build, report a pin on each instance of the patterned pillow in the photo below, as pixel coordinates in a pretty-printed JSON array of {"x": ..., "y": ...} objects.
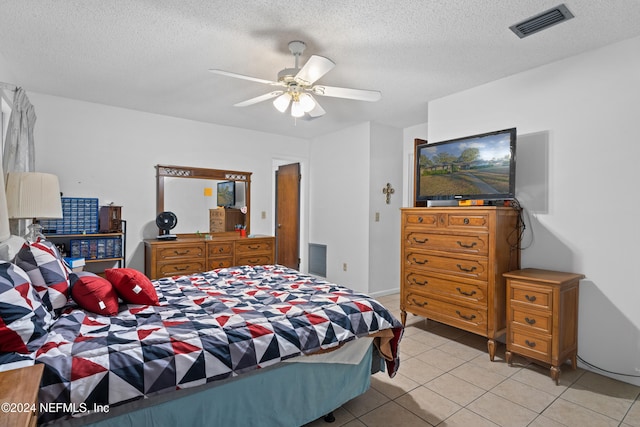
[
  {"x": 94, "y": 293},
  {"x": 49, "y": 275},
  {"x": 132, "y": 286},
  {"x": 23, "y": 317}
]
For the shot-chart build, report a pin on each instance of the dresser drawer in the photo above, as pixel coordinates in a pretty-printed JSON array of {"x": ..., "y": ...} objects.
[
  {"x": 467, "y": 221},
  {"x": 468, "y": 268},
  {"x": 254, "y": 245},
  {"x": 222, "y": 249},
  {"x": 167, "y": 269},
  {"x": 422, "y": 218},
  {"x": 254, "y": 259},
  {"x": 181, "y": 251},
  {"x": 540, "y": 321},
  {"x": 420, "y": 283},
  {"x": 530, "y": 344},
  {"x": 470, "y": 319},
  {"x": 477, "y": 244},
  {"x": 527, "y": 295},
  {"x": 219, "y": 262}
]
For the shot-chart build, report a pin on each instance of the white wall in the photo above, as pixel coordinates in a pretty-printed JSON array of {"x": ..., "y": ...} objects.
[
  {"x": 110, "y": 153},
  {"x": 577, "y": 159},
  {"x": 410, "y": 134},
  {"x": 339, "y": 203},
  {"x": 384, "y": 234}
]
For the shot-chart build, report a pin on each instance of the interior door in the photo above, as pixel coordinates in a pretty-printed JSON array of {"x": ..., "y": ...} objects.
[{"x": 288, "y": 215}]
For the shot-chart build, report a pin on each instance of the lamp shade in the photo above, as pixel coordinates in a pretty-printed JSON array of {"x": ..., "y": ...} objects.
[{"x": 33, "y": 195}]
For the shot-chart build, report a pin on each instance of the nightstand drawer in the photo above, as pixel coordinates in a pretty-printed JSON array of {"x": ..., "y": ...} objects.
[
  {"x": 540, "y": 321},
  {"x": 541, "y": 298},
  {"x": 529, "y": 344},
  {"x": 476, "y": 244}
]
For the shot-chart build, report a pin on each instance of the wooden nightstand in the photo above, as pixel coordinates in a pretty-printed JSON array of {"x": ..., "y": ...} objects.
[
  {"x": 19, "y": 394},
  {"x": 542, "y": 316}
]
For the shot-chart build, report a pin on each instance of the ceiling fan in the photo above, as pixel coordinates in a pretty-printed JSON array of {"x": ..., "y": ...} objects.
[{"x": 298, "y": 86}]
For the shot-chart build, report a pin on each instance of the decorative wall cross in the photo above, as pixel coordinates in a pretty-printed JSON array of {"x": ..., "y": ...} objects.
[{"x": 388, "y": 191}]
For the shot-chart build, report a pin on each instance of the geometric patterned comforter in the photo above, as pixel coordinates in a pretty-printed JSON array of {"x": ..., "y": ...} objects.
[{"x": 208, "y": 326}]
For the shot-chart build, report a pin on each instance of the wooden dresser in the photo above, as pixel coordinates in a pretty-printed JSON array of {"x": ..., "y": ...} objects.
[
  {"x": 193, "y": 255},
  {"x": 453, "y": 259},
  {"x": 542, "y": 316}
]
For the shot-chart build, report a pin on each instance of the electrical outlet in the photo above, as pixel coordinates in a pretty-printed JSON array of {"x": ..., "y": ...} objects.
[
  {"x": 344, "y": 266},
  {"x": 377, "y": 216},
  {"x": 264, "y": 215}
]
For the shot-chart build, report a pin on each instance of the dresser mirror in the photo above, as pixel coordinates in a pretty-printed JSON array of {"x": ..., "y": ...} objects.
[{"x": 190, "y": 193}]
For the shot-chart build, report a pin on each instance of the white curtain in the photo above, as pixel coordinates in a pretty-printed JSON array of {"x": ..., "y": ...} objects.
[{"x": 19, "y": 149}]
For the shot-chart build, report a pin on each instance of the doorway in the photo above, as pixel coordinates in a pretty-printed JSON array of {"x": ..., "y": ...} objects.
[{"x": 287, "y": 220}]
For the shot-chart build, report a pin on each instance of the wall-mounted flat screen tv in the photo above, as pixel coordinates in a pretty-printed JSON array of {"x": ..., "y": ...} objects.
[
  {"x": 226, "y": 194},
  {"x": 477, "y": 167}
]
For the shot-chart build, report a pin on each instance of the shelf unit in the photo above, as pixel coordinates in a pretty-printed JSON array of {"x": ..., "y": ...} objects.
[{"x": 94, "y": 264}]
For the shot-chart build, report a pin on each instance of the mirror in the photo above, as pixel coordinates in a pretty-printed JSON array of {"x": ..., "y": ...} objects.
[{"x": 191, "y": 192}]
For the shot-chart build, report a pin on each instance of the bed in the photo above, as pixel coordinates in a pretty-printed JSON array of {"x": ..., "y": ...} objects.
[{"x": 247, "y": 345}]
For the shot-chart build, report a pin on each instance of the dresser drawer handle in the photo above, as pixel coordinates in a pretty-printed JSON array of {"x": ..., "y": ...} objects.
[
  {"x": 253, "y": 261},
  {"x": 531, "y": 298},
  {"x": 530, "y": 343},
  {"x": 473, "y": 316},
  {"x": 420, "y": 219},
  {"x": 468, "y": 294},
  {"x": 220, "y": 250},
  {"x": 423, "y": 283},
  {"x": 467, "y": 246},
  {"x": 530, "y": 321},
  {"x": 466, "y": 221},
  {"x": 182, "y": 253},
  {"x": 422, "y": 262},
  {"x": 181, "y": 268},
  {"x": 425, "y": 240},
  {"x": 419, "y": 304},
  {"x": 253, "y": 247},
  {"x": 467, "y": 270}
]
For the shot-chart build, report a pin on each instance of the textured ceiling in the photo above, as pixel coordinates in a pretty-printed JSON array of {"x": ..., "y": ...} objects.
[{"x": 153, "y": 55}]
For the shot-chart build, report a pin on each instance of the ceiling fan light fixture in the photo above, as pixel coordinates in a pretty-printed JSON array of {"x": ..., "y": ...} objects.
[
  {"x": 307, "y": 102},
  {"x": 282, "y": 102},
  {"x": 296, "y": 109}
]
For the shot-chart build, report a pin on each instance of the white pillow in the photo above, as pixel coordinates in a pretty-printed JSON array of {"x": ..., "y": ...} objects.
[{"x": 10, "y": 247}]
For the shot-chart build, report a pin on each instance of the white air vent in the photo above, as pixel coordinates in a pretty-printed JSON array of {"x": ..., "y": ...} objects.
[{"x": 542, "y": 21}]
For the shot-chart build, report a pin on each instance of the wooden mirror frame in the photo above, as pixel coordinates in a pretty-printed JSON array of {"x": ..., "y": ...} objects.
[{"x": 169, "y": 171}]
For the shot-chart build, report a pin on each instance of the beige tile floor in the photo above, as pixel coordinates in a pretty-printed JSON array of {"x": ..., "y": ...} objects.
[{"x": 446, "y": 379}]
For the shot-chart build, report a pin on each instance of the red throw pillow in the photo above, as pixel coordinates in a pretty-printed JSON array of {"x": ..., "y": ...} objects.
[
  {"x": 94, "y": 293},
  {"x": 132, "y": 286}
]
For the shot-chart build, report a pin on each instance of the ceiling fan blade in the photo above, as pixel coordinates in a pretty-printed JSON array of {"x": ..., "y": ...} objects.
[
  {"x": 242, "y": 76},
  {"x": 259, "y": 99},
  {"x": 317, "y": 110},
  {"x": 343, "y": 92},
  {"x": 316, "y": 67}
]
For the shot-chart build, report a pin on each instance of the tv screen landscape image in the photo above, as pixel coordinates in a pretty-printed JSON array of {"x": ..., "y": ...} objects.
[
  {"x": 226, "y": 194},
  {"x": 480, "y": 167}
]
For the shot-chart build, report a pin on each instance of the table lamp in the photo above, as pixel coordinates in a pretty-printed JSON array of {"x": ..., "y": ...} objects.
[{"x": 32, "y": 195}]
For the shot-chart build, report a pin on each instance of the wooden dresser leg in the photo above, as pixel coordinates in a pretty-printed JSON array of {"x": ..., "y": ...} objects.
[
  {"x": 403, "y": 317},
  {"x": 574, "y": 361},
  {"x": 491, "y": 346},
  {"x": 555, "y": 374},
  {"x": 507, "y": 356}
]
